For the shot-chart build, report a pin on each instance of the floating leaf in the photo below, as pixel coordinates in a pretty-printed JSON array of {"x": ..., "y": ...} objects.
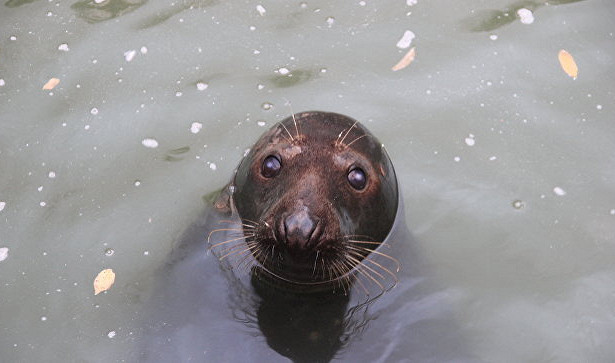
[
  {"x": 405, "y": 61},
  {"x": 103, "y": 281},
  {"x": 568, "y": 64},
  {"x": 51, "y": 84}
]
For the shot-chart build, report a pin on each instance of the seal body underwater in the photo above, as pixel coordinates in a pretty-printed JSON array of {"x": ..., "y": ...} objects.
[
  {"x": 313, "y": 198},
  {"x": 302, "y": 221}
]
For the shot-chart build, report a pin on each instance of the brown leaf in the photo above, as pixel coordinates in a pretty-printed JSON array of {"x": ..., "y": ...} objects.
[
  {"x": 51, "y": 84},
  {"x": 568, "y": 64},
  {"x": 103, "y": 281},
  {"x": 405, "y": 61}
]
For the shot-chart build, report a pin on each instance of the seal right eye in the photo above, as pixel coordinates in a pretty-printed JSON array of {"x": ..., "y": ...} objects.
[{"x": 271, "y": 166}]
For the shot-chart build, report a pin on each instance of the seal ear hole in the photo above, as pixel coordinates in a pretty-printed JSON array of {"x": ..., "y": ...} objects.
[
  {"x": 271, "y": 166},
  {"x": 357, "y": 178}
]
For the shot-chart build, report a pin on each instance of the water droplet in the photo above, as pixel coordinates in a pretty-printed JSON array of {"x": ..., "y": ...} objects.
[
  {"x": 111, "y": 334},
  {"x": 201, "y": 86},
  {"x": 267, "y": 106},
  {"x": 109, "y": 252},
  {"x": 94, "y": 111},
  {"x": 518, "y": 204},
  {"x": 137, "y": 183}
]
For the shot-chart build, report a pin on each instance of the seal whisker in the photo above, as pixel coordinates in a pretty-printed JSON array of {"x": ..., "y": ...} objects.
[
  {"x": 347, "y": 132},
  {"x": 362, "y": 263},
  {"x": 385, "y": 269},
  {"x": 235, "y": 252},
  {"x": 242, "y": 266},
  {"x": 222, "y": 230},
  {"x": 362, "y": 286},
  {"x": 398, "y": 265},
  {"x": 360, "y": 269},
  {"x": 291, "y": 136},
  {"x": 355, "y": 140},
  {"x": 230, "y": 240},
  {"x": 315, "y": 260},
  {"x": 255, "y": 223},
  {"x": 290, "y": 106},
  {"x": 367, "y": 242},
  {"x": 239, "y": 223},
  {"x": 238, "y": 245}
]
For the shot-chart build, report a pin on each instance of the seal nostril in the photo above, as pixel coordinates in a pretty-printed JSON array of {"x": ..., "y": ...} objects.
[{"x": 299, "y": 229}]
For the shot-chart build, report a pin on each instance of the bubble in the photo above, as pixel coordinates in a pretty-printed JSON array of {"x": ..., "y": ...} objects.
[
  {"x": 267, "y": 106},
  {"x": 94, "y": 111},
  {"x": 201, "y": 86},
  {"x": 109, "y": 252},
  {"x": 518, "y": 204}
]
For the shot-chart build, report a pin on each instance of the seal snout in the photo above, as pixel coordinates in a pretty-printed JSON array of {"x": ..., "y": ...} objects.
[{"x": 300, "y": 230}]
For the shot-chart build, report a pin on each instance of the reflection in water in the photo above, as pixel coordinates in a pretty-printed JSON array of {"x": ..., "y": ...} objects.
[
  {"x": 94, "y": 12},
  {"x": 488, "y": 20},
  {"x": 306, "y": 327}
]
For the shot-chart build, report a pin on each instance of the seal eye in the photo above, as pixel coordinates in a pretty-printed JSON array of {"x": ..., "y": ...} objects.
[
  {"x": 357, "y": 178},
  {"x": 271, "y": 166}
]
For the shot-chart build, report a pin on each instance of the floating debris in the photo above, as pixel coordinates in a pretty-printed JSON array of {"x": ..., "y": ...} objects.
[
  {"x": 51, "y": 84},
  {"x": 525, "y": 15},
  {"x": 4, "y": 253},
  {"x": 196, "y": 127},
  {"x": 129, "y": 55},
  {"x": 405, "y": 61},
  {"x": 559, "y": 191},
  {"x": 151, "y": 143},
  {"x": 103, "y": 281},
  {"x": 568, "y": 64},
  {"x": 406, "y": 40},
  {"x": 261, "y": 10}
]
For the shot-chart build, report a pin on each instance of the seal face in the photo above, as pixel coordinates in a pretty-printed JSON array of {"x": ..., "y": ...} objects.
[{"x": 316, "y": 195}]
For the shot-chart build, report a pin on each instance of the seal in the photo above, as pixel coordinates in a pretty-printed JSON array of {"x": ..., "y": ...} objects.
[{"x": 312, "y": 199}]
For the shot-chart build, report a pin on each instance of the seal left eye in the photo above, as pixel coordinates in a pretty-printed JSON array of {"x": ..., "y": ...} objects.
[
  {"x": 357, "y": 178},
  {"x": 271, "y": 166}
]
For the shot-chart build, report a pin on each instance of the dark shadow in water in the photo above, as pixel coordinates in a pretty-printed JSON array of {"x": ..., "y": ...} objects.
[
  {"x": 291, "y": 79},
  {"x": 488, "y": 20},
  {"x": 176, "y": 154},
  {"x": 168, "y": 13},
  {"x": 109, "y": 9},
  {"x": 16, "y": 3}
]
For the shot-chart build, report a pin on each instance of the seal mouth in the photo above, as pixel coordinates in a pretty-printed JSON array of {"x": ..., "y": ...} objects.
[{"x": 333, "y": 264}]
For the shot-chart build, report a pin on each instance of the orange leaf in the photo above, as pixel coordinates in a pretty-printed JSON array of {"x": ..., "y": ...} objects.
[
  {"x": 405, "y": 61},
  {"x": 103, "y": 281},
  {"x": 568, "y": 64},
  {"x": 51, "y": 84}
]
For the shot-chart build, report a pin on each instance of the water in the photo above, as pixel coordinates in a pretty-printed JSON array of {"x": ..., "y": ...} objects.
[{"x": 505, "y": 163}]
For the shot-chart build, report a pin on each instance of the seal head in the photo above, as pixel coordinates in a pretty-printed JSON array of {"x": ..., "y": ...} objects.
[{"x": 316, "y": 194}]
